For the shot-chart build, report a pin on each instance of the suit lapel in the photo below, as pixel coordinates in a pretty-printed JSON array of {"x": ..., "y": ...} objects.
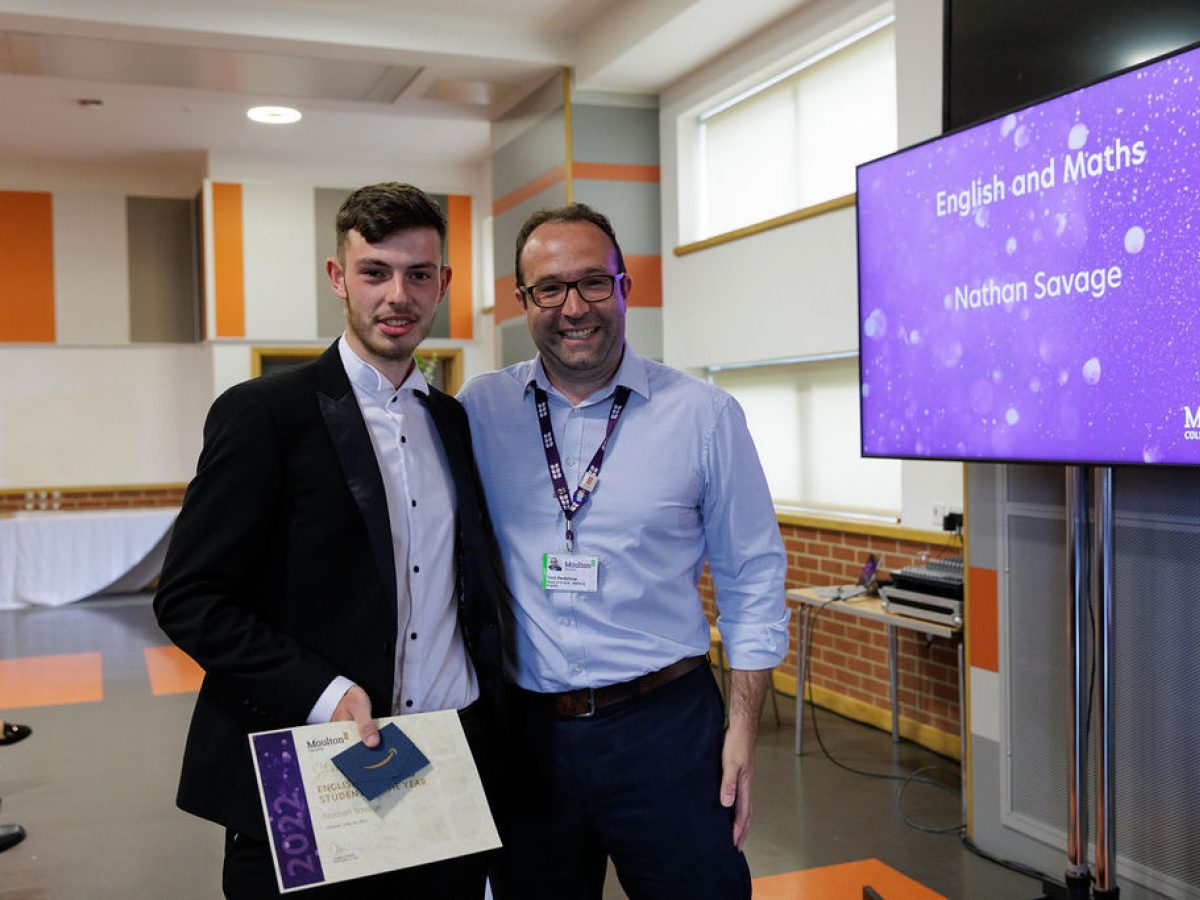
[
  {"x": 355, "y": 453},
  {"x": 456, "y": 453}
]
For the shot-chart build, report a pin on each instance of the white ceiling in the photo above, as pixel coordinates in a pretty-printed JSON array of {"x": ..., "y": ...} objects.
[{"x": 398, "y": 80}]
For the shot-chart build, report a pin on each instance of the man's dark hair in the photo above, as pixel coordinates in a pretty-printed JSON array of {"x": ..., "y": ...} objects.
[
  {"x": 574, "y": 212},
  {"x": 378, "y": 211}
]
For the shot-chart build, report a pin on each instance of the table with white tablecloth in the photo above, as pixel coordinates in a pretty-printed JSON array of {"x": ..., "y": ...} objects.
[{"x": 50, "y": 558}]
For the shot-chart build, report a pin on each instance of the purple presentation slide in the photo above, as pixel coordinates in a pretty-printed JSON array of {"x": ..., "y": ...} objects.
[{"x": 1029, "y": 288}]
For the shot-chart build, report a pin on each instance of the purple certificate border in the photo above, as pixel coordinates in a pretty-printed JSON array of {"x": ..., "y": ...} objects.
[{"x": 289, "y": 820}]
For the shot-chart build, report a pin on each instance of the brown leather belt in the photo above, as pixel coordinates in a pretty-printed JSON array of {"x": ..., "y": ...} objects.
[{"x": 585, "y": 701}]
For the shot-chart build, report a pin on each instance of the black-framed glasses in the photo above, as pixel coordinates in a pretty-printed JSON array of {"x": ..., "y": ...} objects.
[{"x": 590, "y": 288}]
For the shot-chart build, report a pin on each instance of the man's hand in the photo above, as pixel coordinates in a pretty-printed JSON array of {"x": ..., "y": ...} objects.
[
  {"x": 737, "y": 774},
  {"x": 355, "y": 706},
  {"x": 747, "y": 691}
]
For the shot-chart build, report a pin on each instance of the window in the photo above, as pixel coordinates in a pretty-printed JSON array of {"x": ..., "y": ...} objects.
[
  {"x": 793, "y": 140},
  {"x": 805, "y": 423}
]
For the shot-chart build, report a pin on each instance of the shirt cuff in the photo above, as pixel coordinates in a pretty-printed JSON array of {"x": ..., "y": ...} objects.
[
  {"x": 322, "y": 710},
  {"x": 755, "y": 646}
]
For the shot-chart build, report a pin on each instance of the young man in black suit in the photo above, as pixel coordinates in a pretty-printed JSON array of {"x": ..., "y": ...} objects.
[{"x": 334, "y": 559}]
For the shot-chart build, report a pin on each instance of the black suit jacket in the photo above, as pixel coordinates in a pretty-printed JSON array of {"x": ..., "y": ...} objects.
[{"x": 280, "y": 573}]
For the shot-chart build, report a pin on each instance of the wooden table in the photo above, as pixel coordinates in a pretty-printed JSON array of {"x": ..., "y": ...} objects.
[{"x": 871, "y": 608}]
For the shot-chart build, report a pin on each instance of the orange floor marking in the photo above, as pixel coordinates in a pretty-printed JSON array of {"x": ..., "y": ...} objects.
[
  {"x": 172, "y": 671},
  {"x": 51, "y": 680},
  {"x": 842, "y": 882}
]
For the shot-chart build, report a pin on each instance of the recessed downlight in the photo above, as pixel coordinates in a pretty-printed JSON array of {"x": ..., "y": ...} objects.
[{"x": 273, "y": 115}]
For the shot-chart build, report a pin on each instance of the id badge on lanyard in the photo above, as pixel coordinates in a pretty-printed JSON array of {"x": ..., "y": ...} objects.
[{"x": 570, "y": 571}]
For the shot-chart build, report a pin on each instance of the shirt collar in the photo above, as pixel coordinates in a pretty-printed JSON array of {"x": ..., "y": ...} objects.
[
  {"x": 366, "y": 377},
  {"x": 631, "y": 374}
]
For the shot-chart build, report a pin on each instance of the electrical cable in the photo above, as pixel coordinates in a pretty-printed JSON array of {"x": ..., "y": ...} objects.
[
  {"x": 1018, "y": 867},
  {"x": 812, "y": 708},
  {"x": 915, "y": 777}
]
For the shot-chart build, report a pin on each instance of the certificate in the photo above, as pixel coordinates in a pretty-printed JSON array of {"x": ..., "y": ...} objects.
[{"x": 322, "y": 830}]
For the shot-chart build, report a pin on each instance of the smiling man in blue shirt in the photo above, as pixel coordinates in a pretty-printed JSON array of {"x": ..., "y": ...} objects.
[{"x": 628, "y": 475}]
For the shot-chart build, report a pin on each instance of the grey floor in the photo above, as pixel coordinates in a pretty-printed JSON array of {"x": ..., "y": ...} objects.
[{"x": 94, "y": 786}]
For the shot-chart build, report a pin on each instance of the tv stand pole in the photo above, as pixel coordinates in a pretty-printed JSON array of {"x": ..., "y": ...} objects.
[
  {"x": 1090, "y": 576},
  {"x": 1078, "y": 876},
  {"x": 1106, "y": 817}
]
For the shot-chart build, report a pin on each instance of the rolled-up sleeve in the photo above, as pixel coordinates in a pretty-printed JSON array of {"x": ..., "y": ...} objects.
[{"x": 745, "y": 551}]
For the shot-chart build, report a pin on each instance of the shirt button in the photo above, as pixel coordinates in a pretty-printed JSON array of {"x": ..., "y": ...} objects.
[
  {"x": 570, "y": 462},
  {"x": 564, "y": 622},
  {"x": 408, "y": 703},
  {"x": 414, "y": 503},
  {"x": 403, "y": 439},
  {"x": 576, "y": 669},
  {"x": 413, "y": 636},
  {"x": 416, "y": 568}
]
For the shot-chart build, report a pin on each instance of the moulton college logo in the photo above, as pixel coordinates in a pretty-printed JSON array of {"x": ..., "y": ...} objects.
[
  {"x": 1191, "y": 423},
  {"x": 319, "y": 743}
]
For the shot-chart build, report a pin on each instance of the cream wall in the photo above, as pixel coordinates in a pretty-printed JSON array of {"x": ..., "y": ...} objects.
[
  {"x": 96, "y": 410},
  {"x": 277, "y": 242},
  {"x": 74, "y": 416},
  {"x": 791, "y": 291}
]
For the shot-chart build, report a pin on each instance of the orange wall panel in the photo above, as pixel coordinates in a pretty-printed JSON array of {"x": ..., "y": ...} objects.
[
  {"x": 507, "y": 306},
  {"x": 26, "y": 267},
  {"x": 228, "y": 260},
  {"x": 983, "y": 619},
  {"x": 594, "y": 171},
  {"x": 458, "y": 252},
  {"x": 646, "y": 272}
]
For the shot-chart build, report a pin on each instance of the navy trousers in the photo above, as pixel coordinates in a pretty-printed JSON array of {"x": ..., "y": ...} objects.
[{"x": 638, "y": 782}]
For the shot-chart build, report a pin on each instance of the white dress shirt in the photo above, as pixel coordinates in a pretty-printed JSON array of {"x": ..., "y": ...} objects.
[
  {"x": 433, "y": 670},
  {"x": 681, "y": 484}
]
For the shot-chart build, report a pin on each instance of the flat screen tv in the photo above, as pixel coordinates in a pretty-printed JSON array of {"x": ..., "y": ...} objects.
[
  {"x": 1029, "y": 287},
  {"x": 1001, "y": 55}
]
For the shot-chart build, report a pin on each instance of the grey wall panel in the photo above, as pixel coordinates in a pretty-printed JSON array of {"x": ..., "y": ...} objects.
[
  {"x": 506, "y": 225},
  {"x": 326, "y": 201},
  {"x": 441, "y": 320},
  {"x": 613, "y": 134},
  {"x": 634, "y": 209},
  {"x": 988, "y": 832},
  {"x": 1159, "y": 492},
  {"x": 164, "y": 294},
  {"x": 644, "y": 331},
  {"x": 1037, "y": 668},
  {"x": 530, "y": 155},
  {"x": 515, "y": 343},
  {"x": 984, "y": 521},
  {"x": 1037, "y": 484},
  {"x": 1157, "y": 628}
]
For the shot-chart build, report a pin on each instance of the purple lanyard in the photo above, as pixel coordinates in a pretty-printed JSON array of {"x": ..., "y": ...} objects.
[{"x": 571, "y": 503}]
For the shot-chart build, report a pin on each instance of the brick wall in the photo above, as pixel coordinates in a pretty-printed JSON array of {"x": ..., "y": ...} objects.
[
  {"x": 849, "y": 655},
  {"x": 49, "y": 498}
]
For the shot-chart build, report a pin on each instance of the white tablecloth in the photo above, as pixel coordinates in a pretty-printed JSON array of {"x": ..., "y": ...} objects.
[{"x": 54, "y": 558}]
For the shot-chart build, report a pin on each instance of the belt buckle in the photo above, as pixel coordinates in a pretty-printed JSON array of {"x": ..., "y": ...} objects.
[{"x": 591, "y": 710}]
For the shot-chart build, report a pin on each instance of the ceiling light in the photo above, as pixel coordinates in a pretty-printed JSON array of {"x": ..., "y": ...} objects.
[{"x": 274, "y": 115}]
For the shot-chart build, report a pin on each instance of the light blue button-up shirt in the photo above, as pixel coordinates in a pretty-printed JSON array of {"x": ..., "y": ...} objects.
[{"x": 681, "y": 484}]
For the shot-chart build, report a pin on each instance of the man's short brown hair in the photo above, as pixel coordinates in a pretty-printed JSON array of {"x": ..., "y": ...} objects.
[{"x": 380, "y": 210}]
